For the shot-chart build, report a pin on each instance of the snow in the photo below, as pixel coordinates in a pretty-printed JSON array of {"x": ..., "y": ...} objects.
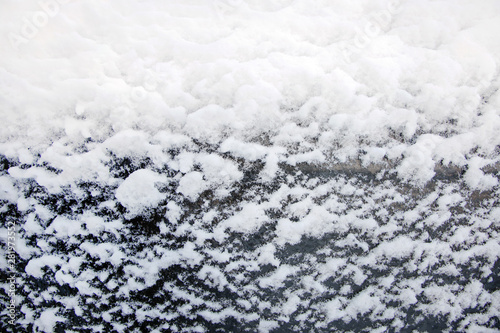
[
  {"x": 138, "y": 191},
  {"x": 8, "y": 192},
  {"x": 248, "y": 165},
  {"x": 34, "y": 267},
  {"x": 48, "y": 319},
  {"x": 191, "y": 185},
  {"x": 249, "y": 219}
]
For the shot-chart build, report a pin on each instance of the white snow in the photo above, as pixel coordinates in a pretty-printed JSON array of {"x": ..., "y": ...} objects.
[
  {"x": 309, "y": 163},
  {"x": 138, "y": 191},
  {"x": 48, "y": 319},
  {"x": 192, "y": 184}
]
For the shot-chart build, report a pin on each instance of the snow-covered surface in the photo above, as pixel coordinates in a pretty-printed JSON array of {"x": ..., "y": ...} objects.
[{"x": 250, "y": 165}]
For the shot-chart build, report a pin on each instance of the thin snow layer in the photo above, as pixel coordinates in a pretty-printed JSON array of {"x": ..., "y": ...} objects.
[{"x": 247, "y": 165}]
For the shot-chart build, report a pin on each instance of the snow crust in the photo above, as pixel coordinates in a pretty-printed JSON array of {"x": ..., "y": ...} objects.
[{"x": 247, "y": 165}]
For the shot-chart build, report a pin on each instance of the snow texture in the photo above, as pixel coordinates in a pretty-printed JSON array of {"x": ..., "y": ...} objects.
[{"x": 251, "y": 166}]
